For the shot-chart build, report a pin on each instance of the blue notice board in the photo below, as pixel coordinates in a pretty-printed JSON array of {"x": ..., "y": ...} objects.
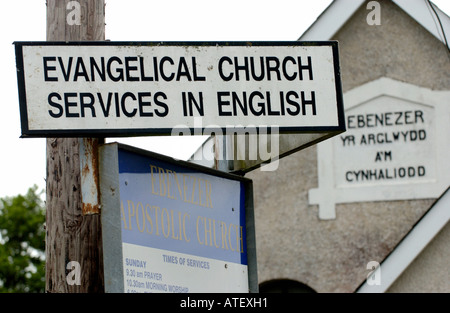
[{"x": 182, "y": 227}]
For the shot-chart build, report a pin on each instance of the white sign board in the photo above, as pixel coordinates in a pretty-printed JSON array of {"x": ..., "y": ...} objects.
[
  {"x": 389, "y": 141},
  {"x": 396, "y": 147},
  {"x": 126, "y": 89}
]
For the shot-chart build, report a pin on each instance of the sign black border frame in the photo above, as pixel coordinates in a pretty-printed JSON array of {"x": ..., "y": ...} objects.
[{"x": 133, "y": 132}]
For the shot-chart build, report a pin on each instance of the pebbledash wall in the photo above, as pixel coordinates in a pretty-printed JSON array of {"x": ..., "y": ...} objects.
[{"x": 320, "y": 223}]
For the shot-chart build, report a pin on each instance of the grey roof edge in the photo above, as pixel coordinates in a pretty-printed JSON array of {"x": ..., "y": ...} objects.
[
  {"x": 411, "y": 245},
  {"x": 425, "y": 12}
]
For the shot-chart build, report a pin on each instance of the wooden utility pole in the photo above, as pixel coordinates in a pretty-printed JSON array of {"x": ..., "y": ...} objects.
[{"x": 74, "y": 260}]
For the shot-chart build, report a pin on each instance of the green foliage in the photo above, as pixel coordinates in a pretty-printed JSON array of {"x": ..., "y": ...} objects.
[{"x": 22, "y": 245}]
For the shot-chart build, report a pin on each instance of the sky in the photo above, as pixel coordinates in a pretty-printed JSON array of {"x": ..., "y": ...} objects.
[{"x": 23, "y": 160}]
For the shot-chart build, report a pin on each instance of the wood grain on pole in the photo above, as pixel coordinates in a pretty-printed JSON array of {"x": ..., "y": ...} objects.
[{"x": 70, "y": 235}]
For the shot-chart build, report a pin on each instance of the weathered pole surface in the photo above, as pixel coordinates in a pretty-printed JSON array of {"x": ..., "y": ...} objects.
[{"x": 73, "y": 231}]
